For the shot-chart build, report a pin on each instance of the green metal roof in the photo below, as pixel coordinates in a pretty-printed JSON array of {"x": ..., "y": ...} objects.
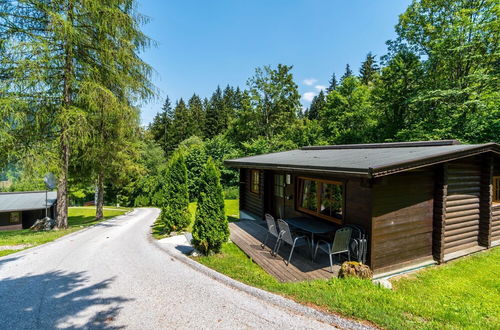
[
  {"x": 368, "y": 160},
  {"x": 26, "y": 200}
]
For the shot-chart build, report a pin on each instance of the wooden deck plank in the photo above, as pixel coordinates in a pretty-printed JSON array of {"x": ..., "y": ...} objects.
[{"x": 249, "y": 235}]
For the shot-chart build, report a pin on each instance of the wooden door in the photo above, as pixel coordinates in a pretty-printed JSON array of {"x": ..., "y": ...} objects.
[{"x": 278, "y": 195}]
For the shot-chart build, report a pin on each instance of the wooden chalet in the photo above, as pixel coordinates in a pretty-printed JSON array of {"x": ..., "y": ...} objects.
[{"x": 419, "y": 202}]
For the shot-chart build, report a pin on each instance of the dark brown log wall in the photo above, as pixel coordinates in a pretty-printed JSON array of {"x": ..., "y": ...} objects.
[
  {"x": 402, "y": 219},
  {"x": 440, "y": 193},
  {"x": 462, "y": 205},
  {"x": 495, "y": 210},
  {"x": 249, "y": 201},
  {"x": 485, "y": 201}
]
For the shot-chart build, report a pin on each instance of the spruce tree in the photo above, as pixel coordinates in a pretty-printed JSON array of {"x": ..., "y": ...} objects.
[
  {"x": 348, "y": 73},
  {"x": 317, "y": 104},
  {"x": 215, "y": 122},
  {"x": 197, "y": 115},
  {"x": 333, "y": 83},
  {"x": 369, "y": 69},
  {"x": 210, "y": 229},
  {"x": 175, "y": 213}
]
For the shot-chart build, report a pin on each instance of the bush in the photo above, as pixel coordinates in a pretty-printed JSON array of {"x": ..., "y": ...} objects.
[
  {"x": 355, "y": 269},
  {"x": 141, "y": 200},
  {"x": 232, "y": 193},
  {"x": 210, "y": 228},
  {"x": 175, "y": 214}
]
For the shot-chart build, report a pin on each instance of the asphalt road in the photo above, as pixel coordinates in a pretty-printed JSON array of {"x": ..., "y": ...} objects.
[{"x": 111, "y": 276}]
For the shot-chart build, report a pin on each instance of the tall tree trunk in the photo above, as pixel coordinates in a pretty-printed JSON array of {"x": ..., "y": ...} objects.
[
  {"x": 62, "y": 185},
  {"x": 99, "y": 214}
]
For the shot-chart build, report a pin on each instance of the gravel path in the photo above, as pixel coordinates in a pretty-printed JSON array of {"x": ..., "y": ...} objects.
[{"x": 111, "y": 276}]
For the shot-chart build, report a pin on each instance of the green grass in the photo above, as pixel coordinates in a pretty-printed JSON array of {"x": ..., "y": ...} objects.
[
  {"x": 232, "y": 213},
  {"x": 462, "y": 294},
  {"x": 78, "y": 217}
]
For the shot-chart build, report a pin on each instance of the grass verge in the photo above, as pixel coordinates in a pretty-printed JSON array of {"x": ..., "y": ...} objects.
[
  {"x": 232, "y": 214},
  {"x": 461, "y": 294},
  {"x": 78, "y": 218}
]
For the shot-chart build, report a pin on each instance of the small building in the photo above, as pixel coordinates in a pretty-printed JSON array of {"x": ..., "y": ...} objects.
[
  {"x": 418, "y": 202},
  {"x": 20, "y": 210}
]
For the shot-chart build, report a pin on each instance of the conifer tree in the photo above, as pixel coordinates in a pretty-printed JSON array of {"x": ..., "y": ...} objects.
[
  {"x": 197, "y": 115},
  {"x": 317, "y": 104},
  {"x": 348, "y": 73},
  {"x": 210, "y": 229},
  {"x": 332, "y": 84},
  {"x": 182, "y": 123},
  {"x": 55, "y": 51},
  {"x": 175, "y": 213},
  {"x": 214, "y": 121},
  {"x": 369, "y": 69}
]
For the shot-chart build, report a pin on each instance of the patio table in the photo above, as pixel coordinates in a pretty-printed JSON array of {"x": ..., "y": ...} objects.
[{"x": 312, "y": 226}]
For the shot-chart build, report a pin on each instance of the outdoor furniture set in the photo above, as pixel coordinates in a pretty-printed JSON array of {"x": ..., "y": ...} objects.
[{"x": 301, "y": 231}]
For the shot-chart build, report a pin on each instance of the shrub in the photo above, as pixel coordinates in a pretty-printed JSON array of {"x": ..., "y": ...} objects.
[
  {"x": 210, "y": 228},
  {"x": 141, "y": 200},
  {"x": 355, "y": 269},
  {"x": 232, "y": 193},
  {"x": 175, "y": 214}
]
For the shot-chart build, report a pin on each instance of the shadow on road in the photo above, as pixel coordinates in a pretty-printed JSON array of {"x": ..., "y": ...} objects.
[{"x": 57, "y": 300}]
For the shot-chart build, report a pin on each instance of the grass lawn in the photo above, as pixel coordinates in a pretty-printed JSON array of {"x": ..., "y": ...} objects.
[
  {"x": 462, "y": 294},
  {"x": 232, "y": 213},
  {"x": 78, "y": 218}
]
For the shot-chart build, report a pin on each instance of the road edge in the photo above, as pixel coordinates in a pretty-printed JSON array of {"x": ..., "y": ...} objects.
[
  {"x": 79, "y": 231},
  {"x": 275, "y": 299}
]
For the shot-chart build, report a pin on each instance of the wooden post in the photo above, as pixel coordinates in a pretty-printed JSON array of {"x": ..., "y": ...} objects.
[
  {"x": 440, "y": 194},
  {"x": 485, "y": 201}
]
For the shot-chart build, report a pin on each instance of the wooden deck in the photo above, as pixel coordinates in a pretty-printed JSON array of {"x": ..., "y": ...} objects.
[{"x": 249, "y": 235}]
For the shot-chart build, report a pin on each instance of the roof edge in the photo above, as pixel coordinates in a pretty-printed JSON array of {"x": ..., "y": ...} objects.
[
  {"x": 432, "y": 143},
  {"x": 269, "y": 166},
  {"x": 436, "y": 159}
]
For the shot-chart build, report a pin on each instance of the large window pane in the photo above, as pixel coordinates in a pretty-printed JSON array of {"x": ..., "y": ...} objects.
[
  {"x": 309, "y": 196},
  {"x": 331, "y": 200},
  {"x": 322, "y": 198}
]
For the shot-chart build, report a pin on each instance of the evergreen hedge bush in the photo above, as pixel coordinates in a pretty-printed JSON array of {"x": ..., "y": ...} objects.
[
  {"x": 175, "y": 214},
  {"x": 210, "y": 228}
]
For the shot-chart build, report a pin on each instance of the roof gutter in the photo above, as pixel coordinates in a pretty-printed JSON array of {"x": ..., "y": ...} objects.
[
  {"x": 423, "y": 162},
  {"x": 338, "y": 171}
]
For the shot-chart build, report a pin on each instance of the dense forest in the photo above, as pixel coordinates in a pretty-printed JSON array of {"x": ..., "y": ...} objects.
[{"x": 438, "y": 80}]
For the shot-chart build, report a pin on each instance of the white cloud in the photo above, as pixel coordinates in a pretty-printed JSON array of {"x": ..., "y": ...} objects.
[
  {"x": 320, "y": 87},
  {"x": 308, "y": 96},
  {"x": 309, "y": 81}
]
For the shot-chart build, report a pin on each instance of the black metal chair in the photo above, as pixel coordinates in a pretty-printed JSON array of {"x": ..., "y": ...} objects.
[
  {"x": 339, "y": 245},
  {"x": 288, "y": 237},
  {"x": 271, "y": 230}
]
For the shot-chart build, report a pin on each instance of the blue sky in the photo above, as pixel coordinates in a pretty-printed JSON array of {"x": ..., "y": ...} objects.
[{"x": 205, "y": 43}]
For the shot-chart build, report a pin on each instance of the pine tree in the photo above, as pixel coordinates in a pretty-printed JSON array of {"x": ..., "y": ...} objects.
[
  {"x": 317, "y": 104},
  {"x": 215, "y": 121},
  {"x": 55, "y": 52},
  {"x": 210, "y": 229},
  {"x": 369, "y": 69},
  {"x": 197, "y": 115},
  {"x": 332, "y": 84},
  {"x": 162, "y": 129},
  {"x": 182, "y": 122},
  {"x": 175, "y": 213},
  {"x": 348, "y": 73}
]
